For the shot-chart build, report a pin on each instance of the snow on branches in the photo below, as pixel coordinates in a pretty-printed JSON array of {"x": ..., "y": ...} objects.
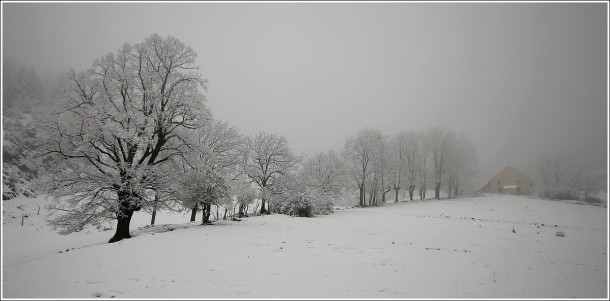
[{"x": 121, "y": 121}]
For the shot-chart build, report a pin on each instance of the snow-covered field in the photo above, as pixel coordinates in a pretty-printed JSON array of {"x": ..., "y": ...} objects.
[{"x": 459, "y": 248}]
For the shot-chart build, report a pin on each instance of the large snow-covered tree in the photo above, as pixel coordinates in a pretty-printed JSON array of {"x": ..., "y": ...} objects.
[
  {"x": 121, "y": 120},
  {"x": 270, "y": 163}
]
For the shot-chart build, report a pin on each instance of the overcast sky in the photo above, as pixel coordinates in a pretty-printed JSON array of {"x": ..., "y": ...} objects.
[{"x": 521, "y": 79}]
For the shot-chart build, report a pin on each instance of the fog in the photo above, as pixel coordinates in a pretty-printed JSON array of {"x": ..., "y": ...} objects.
[{"x": 521, "y": 79}]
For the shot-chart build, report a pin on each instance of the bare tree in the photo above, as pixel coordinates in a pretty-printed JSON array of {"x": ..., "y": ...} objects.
[
  {"x": 359, "y": 153},
  {"x": 324, "y": 173},
  {"x": 398, "y": 161},
  {"x": 462, "y": 163},
  {"x": 441, "y": 142},
  {"x": 423, "y": 153},
  {"x": 551, "y": 175},
  {"x": 269, "y": 162},
  {"x": 411, "y": 152},
  {"x": 245, "y": 194},
  {"x": 121, "y": 120},
  {"x": 382, "y": 165},
  {"x": 213, "y": 162}
]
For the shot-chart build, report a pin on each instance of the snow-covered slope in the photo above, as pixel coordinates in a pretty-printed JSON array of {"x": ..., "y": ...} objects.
[{"x": 459, "y": 248}]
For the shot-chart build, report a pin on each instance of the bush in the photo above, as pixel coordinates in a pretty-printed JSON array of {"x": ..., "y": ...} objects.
[
  {"x": 323, "y": 205},
  {"x": 305, "y": 210},
  {"x": 564, "y": 195},
  {"x": 594, "y": 200},
  {"x": 306, "y": 205}
]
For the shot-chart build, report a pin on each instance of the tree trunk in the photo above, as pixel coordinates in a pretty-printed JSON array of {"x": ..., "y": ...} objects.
[
  {"x": 154, "y": 212},
  {"x": 422, "y": 191},
  {"x": 437, "y": 191},
  {"x": 455, "y": 189},
  {"x": 396, "y": 199},
  {"x": 126, "y": 210},
  {"x": 360, "y": 197},
  {"x": 217, "y": 216},
  {"x": 122, "y": 227},
  {"x": 194, "y": 212},
  {"x": 241, "y": 210},
  {"x": 203, "y": 210},
  {"x": 263, "y": 210},
  {"x": 383, "y": 196},
  {"x": 207, "y": 208},
  {"x": 411, "y": 190},
  {"x": 225, "y": 217},
  {"x": 449, "y": 190}
]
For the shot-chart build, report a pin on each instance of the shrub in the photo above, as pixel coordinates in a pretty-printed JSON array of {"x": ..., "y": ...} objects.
[
  {"x": 306, "y": 204},
  {"x": 323, "y": 204}
]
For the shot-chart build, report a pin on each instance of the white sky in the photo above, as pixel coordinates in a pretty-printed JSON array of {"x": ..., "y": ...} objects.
[{"x": 521, "y": 79}]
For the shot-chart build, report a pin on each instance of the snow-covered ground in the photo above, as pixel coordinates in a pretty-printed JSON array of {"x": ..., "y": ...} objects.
[{"x": 459, "y": 248}]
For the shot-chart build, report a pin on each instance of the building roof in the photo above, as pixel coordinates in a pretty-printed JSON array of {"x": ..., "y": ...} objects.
[
  {"x": 510, "y": 168},
  {"x": 504, "y": 170}
]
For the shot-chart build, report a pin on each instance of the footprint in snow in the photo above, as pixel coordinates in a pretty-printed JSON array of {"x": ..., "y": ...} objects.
[{"x": 102, "y": 295}]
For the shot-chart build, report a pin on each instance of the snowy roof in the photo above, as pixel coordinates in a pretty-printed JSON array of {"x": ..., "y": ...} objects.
[{"x": 510, "y": 186}]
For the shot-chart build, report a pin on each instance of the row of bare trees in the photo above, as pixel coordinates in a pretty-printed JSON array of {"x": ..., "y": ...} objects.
[{"x": 377, "y": 163}]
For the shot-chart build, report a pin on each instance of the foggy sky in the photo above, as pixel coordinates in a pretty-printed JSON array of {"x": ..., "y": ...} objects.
[{"x": 521, "y": 79}]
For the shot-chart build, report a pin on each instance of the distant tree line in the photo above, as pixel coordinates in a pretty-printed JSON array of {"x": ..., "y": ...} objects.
[
  {"x": 378, "y": 163},
  {"x": 577, "y": 186},
  {"x": 25, "y": 100}
]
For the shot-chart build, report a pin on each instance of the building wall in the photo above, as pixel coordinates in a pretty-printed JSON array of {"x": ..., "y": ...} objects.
[{"x": 509, "y": 176}]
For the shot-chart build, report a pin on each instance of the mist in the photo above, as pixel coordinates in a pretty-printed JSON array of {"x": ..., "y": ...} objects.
[{"x": 523, "y": 80}]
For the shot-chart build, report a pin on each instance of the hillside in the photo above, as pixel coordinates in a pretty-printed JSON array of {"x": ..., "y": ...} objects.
[{"x": 478, "y": 247}]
